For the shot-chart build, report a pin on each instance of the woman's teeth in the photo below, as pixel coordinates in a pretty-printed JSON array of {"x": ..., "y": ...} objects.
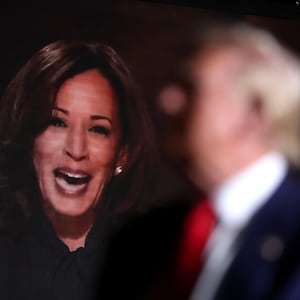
[{"x": 71, "y": 183}]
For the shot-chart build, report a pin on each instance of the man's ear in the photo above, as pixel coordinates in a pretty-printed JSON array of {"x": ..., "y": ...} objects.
[{"x": 256, "y": 123}]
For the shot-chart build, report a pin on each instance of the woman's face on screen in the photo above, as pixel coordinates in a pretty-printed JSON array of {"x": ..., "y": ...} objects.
[{"x": 76, "y": 155}]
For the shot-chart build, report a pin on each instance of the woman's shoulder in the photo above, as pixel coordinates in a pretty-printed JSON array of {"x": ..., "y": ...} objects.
[
  {"x": 13, "y": 247},
  {"x": 6, "y": 246},
  {"x": 10, "y": 247}
]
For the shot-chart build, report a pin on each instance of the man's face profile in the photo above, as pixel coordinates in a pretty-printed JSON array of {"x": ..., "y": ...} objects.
[{"x": 218, "y": 127}]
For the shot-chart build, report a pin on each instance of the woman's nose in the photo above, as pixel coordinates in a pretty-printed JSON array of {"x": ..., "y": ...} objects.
[{"x": 76, "y": 144}]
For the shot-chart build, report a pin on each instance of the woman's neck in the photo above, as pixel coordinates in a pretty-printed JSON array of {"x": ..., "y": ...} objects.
[{"x": 72, "y": 230}]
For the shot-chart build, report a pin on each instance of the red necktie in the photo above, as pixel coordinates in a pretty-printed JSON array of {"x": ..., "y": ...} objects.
[
  {"x": 198, "y": 226},
  {"x": 178, "y": 281}
]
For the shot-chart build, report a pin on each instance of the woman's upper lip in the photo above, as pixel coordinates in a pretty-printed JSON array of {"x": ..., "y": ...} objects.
[{"x": 77, "y": 173}]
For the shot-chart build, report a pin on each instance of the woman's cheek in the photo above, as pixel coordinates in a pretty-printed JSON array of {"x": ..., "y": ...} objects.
[{"x": 104, "y": 152}]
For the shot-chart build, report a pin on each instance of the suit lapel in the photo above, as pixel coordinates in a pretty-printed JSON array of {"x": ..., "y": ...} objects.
[{"x": 267, "y": 248}]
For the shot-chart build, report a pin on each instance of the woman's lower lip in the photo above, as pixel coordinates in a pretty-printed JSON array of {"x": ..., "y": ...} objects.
[{"x": 70, "y": 189}]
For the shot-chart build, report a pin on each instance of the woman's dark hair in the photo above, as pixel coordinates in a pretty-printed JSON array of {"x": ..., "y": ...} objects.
[{"x": 26, "y": 107}]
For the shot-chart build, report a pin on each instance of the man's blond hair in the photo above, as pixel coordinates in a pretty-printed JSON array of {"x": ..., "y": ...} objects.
[{"x": 271, "y": 78}]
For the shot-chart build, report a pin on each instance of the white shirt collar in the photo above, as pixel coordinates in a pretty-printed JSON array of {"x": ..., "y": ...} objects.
[{"x": 237, "y": 200}]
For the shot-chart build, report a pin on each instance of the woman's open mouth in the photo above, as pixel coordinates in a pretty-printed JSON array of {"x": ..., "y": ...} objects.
[{"x": 71, "y": 182}]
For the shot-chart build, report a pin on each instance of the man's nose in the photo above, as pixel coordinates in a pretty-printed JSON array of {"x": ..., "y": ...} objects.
[{"x": 76, "y": 144}]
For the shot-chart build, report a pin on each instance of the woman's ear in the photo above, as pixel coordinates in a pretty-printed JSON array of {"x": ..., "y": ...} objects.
[{"x": 122, "y": 160}]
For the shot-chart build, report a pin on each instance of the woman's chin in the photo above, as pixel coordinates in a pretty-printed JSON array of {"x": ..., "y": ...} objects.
[{"x": 71, "y": 208}]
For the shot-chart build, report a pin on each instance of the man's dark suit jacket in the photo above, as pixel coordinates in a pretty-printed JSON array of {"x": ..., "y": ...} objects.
[{"x": 267, "y": 264}]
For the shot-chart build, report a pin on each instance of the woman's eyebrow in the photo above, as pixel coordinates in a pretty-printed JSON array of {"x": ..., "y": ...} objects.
[
  {"x": 61, "y": 109},
  {"x": 92, "y": 117},
  {"x": 100, "y": 117}
]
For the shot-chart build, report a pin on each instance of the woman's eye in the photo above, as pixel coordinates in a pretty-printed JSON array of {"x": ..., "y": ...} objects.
[
  {"x": 100, "y": 130},
  {"x": 57, "y": 122}
]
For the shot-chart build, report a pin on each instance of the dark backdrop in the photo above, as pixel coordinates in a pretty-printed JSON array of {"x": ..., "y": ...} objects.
[{"x": 145, "y": 33}]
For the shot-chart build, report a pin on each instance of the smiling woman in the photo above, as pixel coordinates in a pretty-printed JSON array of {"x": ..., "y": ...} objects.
[
  {"x": 75, "y": 156},
  {"x": 74, "y": 145}
]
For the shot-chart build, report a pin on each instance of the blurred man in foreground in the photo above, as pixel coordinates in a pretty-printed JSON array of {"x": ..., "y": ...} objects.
[{"x": 243, "y": 142}]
